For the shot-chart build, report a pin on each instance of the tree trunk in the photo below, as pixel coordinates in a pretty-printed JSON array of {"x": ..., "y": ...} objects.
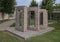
[
  {"x": 50, "y": 16},
  {"x": 2, "y": 16},
  {"x": 8, "y": 16}
]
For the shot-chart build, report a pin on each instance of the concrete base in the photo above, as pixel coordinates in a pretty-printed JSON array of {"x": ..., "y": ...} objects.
[{"x": 29, "y": 34}]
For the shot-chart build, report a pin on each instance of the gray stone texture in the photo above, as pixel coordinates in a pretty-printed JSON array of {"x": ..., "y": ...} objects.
[{"x": 26, "y": 20}]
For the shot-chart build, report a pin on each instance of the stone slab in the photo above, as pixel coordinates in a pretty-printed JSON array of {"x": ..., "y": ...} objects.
[
  {"x": 3, "y": 28},
  {"x": 29, "y": 33}
]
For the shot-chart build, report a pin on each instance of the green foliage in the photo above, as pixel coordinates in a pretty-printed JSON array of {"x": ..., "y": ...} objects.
[
  {"x": 55, "y": 25},
  {"x": 0, "y": 4},
  {"x": 57, "y": 15},
  {"x": 57, "y": 6},
  {"x": 33, "y": 4},
  {"x": 44, "y": 3},
  {"x": 48, "y": 4},
  {"x": 6, "y": 6}
]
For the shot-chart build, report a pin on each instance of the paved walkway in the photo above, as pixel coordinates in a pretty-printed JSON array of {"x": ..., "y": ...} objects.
[
  {"x": 51, "y": 22},
  {"x": 6, "y": 24}
]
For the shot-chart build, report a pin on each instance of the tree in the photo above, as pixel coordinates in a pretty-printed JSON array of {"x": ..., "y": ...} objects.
[
  {"x": 33, "y": 4},
  {"x": 0, "y": 4},
  {"x": 48, "y": 4},
  {"x": 1, "y": 8},
  {"x": 7, "y": 6},
  {"x": 43, "y": 4},
  {"x": 50, "y": 8},
  {"x": 57, "y": 6},
  {"x": 57, "y": 15}
]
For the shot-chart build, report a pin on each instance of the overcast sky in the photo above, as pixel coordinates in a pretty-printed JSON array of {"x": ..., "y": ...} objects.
[{"x": 27, "y": 2}]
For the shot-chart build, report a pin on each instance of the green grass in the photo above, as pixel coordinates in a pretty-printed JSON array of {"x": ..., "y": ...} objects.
[
  {"x": 5, "y": 37},
  {"x": 53, "y": 36},
  {"x": 13, "y": 25},
  {"x": 55, "y": 25}
]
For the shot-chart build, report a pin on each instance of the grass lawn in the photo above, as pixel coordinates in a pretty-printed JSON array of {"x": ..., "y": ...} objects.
[
  {"x": 53, "y": 36},
  {"x": 5, "y": 37}
]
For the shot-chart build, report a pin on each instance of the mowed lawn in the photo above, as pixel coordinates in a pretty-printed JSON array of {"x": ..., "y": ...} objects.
[{"x": 53, "y": 36}]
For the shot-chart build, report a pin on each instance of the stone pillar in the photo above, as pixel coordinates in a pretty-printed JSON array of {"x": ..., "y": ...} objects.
[
  {"x": 29, "y": 14},
  {"x": 15, "y": 13},
  {"x": 25, "y": 19},
  {"x": 38, "y": 19},
  {"x": 45, "y": 19},
  {"x": 37, "y": 15},
  {"x": 17, "y": 20}
]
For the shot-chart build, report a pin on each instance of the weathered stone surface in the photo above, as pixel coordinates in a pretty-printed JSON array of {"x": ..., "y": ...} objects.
[
  {"x": 26, "y": 11},
  {"x": 30, "y": 33}
]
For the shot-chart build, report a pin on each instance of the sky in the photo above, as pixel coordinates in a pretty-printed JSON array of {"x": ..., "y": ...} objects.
[{"x": 27, "y": 2}]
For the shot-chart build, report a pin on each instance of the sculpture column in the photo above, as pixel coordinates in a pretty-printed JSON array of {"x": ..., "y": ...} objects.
[
  {"x": 38, "y": 19},
  {"x": 17, "y": 20},
  {"x": 45, "y": 19},
  {"x": 37, "y": 15},
  {"x": 25, "y": 19}
]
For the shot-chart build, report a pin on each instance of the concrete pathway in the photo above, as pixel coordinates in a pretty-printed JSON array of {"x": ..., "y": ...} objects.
[{"x": 6, "y": 25}]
